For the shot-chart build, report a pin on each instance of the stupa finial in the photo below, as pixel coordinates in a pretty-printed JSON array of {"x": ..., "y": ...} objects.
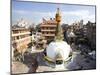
[
  {"x": 58, "y": 33},
  {"x": 57, "y": 10}
]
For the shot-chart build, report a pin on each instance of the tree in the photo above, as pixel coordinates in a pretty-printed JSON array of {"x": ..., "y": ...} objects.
[
  {"x": 32, "y": 28},
  {"x": 38, "y": 28}
]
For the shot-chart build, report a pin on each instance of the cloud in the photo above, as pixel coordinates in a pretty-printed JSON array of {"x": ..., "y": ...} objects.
[
  {"x": 78, "y": 15},
  {"x": 21, "y": 12},
  {"x": 67, "y": 16},
  {"x": 34, "y": 13}
]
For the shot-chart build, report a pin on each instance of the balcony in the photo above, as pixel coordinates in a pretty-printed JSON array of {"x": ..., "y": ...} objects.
[
  {"x": 27, "y": 39},
  {"x": 49, "y": 34},
  {"x": 18, "y": 34},
  {"x": 48, "y": 25},
  {"x": 46, "y": 30}
]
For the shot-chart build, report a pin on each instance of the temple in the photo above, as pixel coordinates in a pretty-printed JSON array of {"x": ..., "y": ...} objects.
[{"x": 58, "y": 50}]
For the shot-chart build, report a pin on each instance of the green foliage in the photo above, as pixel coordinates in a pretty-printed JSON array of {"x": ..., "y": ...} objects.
[{"x": 38, "y": 28}]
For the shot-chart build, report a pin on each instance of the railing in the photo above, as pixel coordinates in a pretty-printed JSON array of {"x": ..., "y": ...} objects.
[
  {"x": 48, "y": 25},
  {"x": 23, "y": 39},
  {"x": 48, "y": 30},
  {"x": 49, "y": 34},
  {"x": 18, "y": 34}
]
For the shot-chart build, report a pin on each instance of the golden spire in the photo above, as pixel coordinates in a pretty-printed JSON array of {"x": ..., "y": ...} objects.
[
  {"x": 58, "y": 10},
  {"x": 58, "y": 33},
  {"x": 58, "y": 17}
]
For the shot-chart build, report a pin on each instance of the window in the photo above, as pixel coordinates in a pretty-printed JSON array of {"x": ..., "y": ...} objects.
[{"x": 17, "y": 37}]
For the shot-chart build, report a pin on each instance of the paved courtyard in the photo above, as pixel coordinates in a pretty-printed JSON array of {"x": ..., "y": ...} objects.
[{"x": 34, "y": 62}]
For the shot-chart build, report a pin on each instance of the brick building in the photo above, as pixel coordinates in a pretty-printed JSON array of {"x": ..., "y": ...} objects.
[
  {"x": 48, "y": 28},
  {"x": 90, "y": 33},
  {"x": 20, "y": 39}
]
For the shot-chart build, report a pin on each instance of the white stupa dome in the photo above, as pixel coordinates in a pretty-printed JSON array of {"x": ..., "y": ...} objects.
[{"x": 58, "y": 48}]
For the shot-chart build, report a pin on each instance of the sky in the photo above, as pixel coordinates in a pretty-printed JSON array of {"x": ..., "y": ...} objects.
[{"x": 34, "y": 12}]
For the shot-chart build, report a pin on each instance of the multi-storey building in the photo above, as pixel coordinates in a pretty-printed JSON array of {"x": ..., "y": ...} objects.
[
  {"x": 48, "y": 28},
  {"x": 20, "y": 39},
  {"x": 90, "y": 33}
]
